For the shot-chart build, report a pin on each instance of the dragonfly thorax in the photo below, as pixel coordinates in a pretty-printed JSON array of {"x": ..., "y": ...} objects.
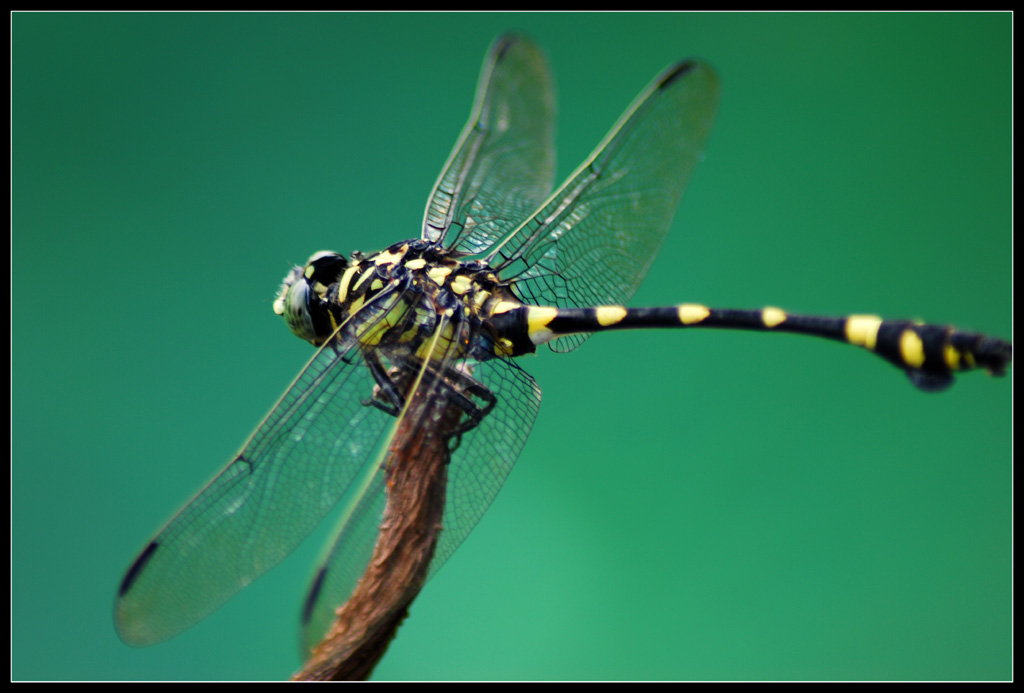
[{"x": 413, "y": 281}]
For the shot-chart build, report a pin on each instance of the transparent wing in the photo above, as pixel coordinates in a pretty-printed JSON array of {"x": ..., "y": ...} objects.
[
  {"x": 291, "y": 473},
  {"x": 477, "y": 470},
  {"x": 592, "y": 242},
  {"x": 485, "y": 457},
  {"x": 503, "y": 162}
]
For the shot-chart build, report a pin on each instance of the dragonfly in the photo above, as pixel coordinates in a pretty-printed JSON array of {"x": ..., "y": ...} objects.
[{"x": 502, "y": 265}]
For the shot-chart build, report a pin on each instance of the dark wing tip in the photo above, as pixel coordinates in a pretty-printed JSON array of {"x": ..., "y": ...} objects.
[
  {"x": 504, "y": 43},
  {"x": 687, "y": 68},
  {"x": 314, "y": 592},
  {"x": 676, "y": 72},
  {"x": 136, "y": 568}
]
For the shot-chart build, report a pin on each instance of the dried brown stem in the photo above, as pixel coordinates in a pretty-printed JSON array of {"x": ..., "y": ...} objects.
[{"x": 417, "y": 469}]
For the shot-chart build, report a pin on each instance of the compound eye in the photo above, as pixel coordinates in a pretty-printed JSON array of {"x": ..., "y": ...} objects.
[
  {"x": 324, "y": 268},
  {"x": 293, "y": 303},
  {"x": 293, "y": 276},
  {"x": 301, "y": 299}
]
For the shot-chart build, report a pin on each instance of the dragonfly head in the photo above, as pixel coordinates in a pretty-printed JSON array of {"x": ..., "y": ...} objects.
[{"x": 303, "y": 298}]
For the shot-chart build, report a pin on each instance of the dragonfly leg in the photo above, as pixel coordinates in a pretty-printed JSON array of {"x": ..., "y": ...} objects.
[
  {"x": 461, "y": 387},
  {"x": 456, "y": 385},
  {"x": 386, "y": 396}
]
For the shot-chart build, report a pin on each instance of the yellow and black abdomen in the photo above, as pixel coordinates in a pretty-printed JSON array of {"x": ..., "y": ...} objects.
[{"x": 929, "y": 354}]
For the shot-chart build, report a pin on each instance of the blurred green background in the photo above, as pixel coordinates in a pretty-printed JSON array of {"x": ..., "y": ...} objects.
[{"x": 689, "y": 505}]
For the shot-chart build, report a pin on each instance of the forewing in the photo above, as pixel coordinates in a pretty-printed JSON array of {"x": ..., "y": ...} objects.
[
  {"x": 592, "y": 242},
  {"x": 290, "y": 473},
  {"x": 502, "y": 165}
]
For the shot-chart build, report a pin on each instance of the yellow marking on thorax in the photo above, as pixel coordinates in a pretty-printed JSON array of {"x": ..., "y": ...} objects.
[
  {"x": 504, "y": 307},
  {"x": 438, "y": 274},
  {"x": 372, "y": 335},
  {"x": 441, "y": 346},
  {"x": 356, "y": 305},
  {"x": 911, "y": 349},
  {"x": 479, "y": 297},
  {"x": 772, "y": 317},
  {"x": 363, "y": 278},
  {"x": 409, "y": 334},
  {"x": 389, "y": 258},
  {"x": 692, "y": 313},
  {"x": 418, "y": 263},
  {"x": 461, "y": 284},
  {"x": 416, "y": 327},
  {"x": 609, "y": 315},
  {"x": 346, "y": 279},
  {"x": 862, "y": 330}
]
